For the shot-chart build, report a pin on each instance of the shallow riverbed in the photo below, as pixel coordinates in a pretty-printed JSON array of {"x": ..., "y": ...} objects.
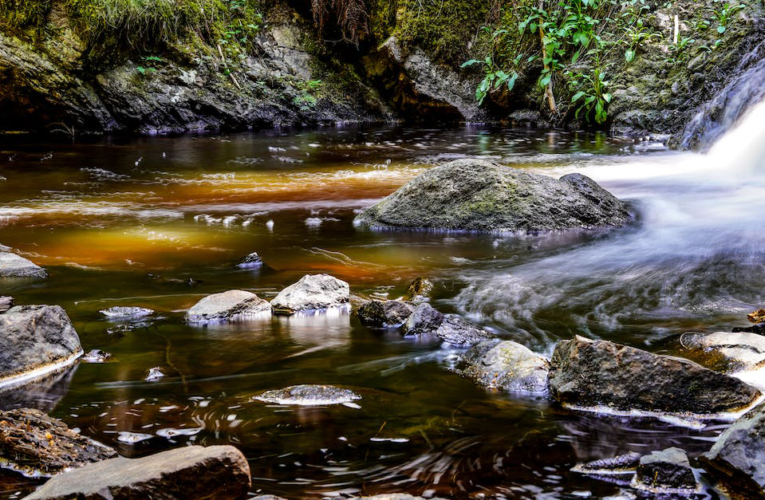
[{"x": 162, "y": 222}]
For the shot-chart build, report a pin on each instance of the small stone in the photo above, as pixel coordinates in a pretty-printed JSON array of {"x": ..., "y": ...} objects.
[
  {"x": 313, "y": 293},
  {"x": 15, "y": 266},
  {"x": 123, "y": 313},
  {"x": 234, "y": 305},
  {"x": 385, "y": 314},
  {"x": 96, "y": 356},
  {"x": 309, "y": 395},
  {"x": 757, "y": 316},
  {"x": 154, "y": 375},
  {"x": 252, "y": 261},
  {"x": 219, "y": 472},
  {"x": 418, "y": 291},
  {"x": 667, "y": 471}
]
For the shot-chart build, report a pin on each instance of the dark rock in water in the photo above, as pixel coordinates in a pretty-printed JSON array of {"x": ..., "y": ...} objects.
[
  {"x": 456, "y": 331},
  {"x": 233, "y": 305},
  {"x": 126, "y": 313},
  {"x": 252, "y": 261},
  {"x": 418, "y": 291},
  {"x": 35, "y": 444},
  {"x": 5, "y": 304},
  {"x": 96, "y": 356},
  {"x": 759, "y": 329},
  {"x": 312, "y": 293},
  {"x": 507, "y": 366},
  {"x": 738, "y": 456},
  {"x": 379, "y": 314},
  {"x": 34, "y": 341},
  {"x": 667, "y": 471},
  {"x": 15, "y": 266},
  {"x": 757, "y": 316},
  {"x": 622, "y": 464},
  {"x": 424, "y": 319},
  {"x": 309, "y": 395},
  {"x": 601, "y": 374},
  {"x": 154, "y": 375},
  {"x": 479, "y": 195},
  {"x": 219, "y": 472}
]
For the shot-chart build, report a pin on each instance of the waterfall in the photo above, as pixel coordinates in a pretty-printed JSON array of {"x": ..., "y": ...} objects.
[{"x": 742, "y": 149}]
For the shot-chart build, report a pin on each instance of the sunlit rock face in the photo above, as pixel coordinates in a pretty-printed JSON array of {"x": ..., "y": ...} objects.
[
  {"x": 234, "y": 305},
  {"x": 313, "y": 293},
  {"x": 15, "y": 266},
  {"x": 477, "y": 195}
]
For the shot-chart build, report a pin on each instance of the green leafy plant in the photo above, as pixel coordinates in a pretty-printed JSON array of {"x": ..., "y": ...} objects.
[
  {"x": 591, "y": 95},
  {"x": 724, "y": 15},
  {"x": 494, "y": 78},
  {"x": 636, "y": 36}
]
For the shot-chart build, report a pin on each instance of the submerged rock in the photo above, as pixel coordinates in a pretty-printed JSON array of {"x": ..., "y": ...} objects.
[
  {"x": 34, "y": 341},
  {"x": 15, "y": 266},
  {"x": 479, "y": 195},
  {"x": 622, "y": 464},
  {"x": 309, "y": 395},
  {"x": 666, "y": 472},
  {"x": 383, "y": 314},
  {"x": 228, "y": 306},
  {"x": 96, "y": 356},
  {"x": 603, "y": 375},
  {"x": 5, "y": 304},
  {"x": 122, "y": 313},
  {"x": 252, "y": 261},
  {"x": 418, "y": 291},
  {"x": 738, "y": 456},
  {"x": 35, "y": 444},
  {"x": 219, "y": 472},
  {"x": 312, "y": 293},
  {"x": 507, "y": 366}
]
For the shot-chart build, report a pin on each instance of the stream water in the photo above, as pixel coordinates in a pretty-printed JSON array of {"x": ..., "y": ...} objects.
[{"x": 162, "y": 222}]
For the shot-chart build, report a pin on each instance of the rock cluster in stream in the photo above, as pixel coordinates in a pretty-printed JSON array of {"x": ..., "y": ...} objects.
[{"x": 478, "y": 195}]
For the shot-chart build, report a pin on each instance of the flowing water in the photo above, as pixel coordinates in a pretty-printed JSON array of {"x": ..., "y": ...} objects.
[{"x": 162, "y": 222}]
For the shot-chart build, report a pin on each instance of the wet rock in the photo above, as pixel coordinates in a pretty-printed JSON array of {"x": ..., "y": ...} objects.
[
  {"x": 601, "y": 374},
  {"x": 35, "y": 444},
  {"x": 738, "y": 456},
  {"x": 665, "y": 472},
  {"x": 312, "y": 293},
  {"x": 154, "y": 375},
  {"x": 252, "y": 261},
  {"x": 96, "y": 356},
  {"x": 480, "y": 195},
  {"x": 123, "y": 313},
  {"x": 757, "y": 316},
  {"x": 34, "y": 341},
  {"x": 622, "y": 464},
  {"x": 731, "y": 353},
  {"x": 15, "y": 266},
  {"x": 383, "y": 314},
  {"x": 5, "y": 304},
  {"x": 424, "y": 319},
  {"x": 309, "y": 395},
  {"x": 418, "y": 291},
  {"x": 228, "y": 306},
  {"x": 219, "y": 472},
  {"x": 759, "y": 329},
  {"x": 505, "y": 365},
  {"x": 456, "y": 331}
]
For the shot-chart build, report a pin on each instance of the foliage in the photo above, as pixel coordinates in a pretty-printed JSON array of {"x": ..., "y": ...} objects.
[
  {"x": 350, "y": 16},
  {"x": 592, "y": 97}
]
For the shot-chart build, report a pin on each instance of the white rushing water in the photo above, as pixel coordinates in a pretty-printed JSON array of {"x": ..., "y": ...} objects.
[{"x": 696, "y": 252}]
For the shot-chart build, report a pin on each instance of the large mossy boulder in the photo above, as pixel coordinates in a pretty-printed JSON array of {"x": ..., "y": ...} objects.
[
  {"x": 34, "y": 341},
  {"x": 478, "y": 195},
  {"x": 738, "y": 456},
  {"x": 604, "y": 375},
  {"x": 190, "y": 472}
]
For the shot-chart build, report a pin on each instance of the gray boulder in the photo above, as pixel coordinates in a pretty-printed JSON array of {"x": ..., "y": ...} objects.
[
  {"x": 15, "y": 266},
  {"x": 424, "y": 319},
  {"x": 312, "y": 293},
  {"x": 478, "y": 195},
  {"x": 385, "y": 314},
  {"x": 666, "y": 472},
  {"x": 233, "y": 305},
  {"x": 34, "y": 341},
  {"x": 505, "y": 365},
  {"x": 35, "y": 444},
  {"x": 590, "y": 374},
  {"x": 450, "y": 328},
  {"x": 252, "y": 261},
  {"x": 619, "y": 465},
  {"x": 191, "y": 472},
  {"x": 738, "y": 456}
]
